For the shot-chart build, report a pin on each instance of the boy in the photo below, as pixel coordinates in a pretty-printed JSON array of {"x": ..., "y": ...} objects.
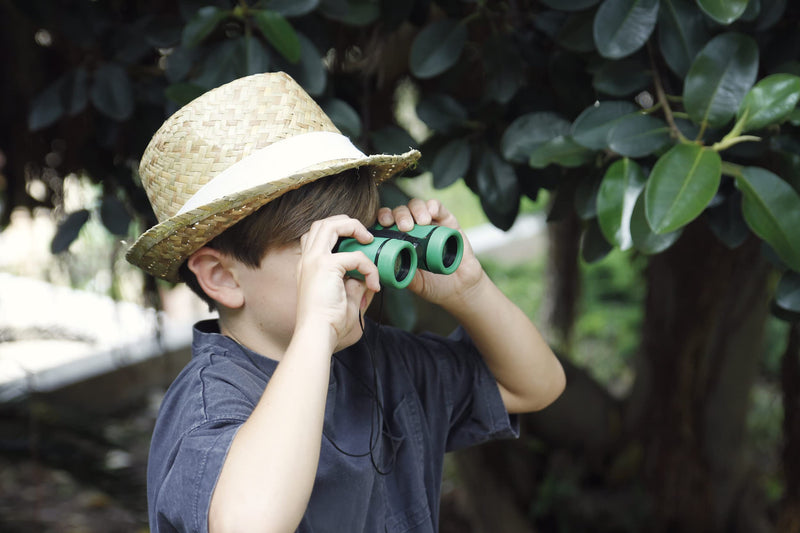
[{"x": 294, "y": 414}]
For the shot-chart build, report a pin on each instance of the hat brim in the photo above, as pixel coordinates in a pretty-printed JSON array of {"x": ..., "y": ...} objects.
[{"x": 161, "y": 250}]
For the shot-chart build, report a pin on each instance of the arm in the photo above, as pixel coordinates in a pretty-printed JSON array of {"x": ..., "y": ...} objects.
[
  {"x": 269, "y": 472},
  {"x": 528, "y": 374}
]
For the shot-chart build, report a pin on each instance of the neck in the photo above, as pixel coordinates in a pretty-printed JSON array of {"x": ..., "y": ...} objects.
[{"x": 264, "y": 344}]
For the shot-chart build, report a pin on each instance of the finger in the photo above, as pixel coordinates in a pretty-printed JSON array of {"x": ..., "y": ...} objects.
[
  {"x": 325, "y": 233},
  {"x": 435, "y": 208},
  {"x": 360, "y": 262},
  {"x": 419, "y": 210},
  {"x": 403, "y": 218},
  {"x": 385, "y": 217}
]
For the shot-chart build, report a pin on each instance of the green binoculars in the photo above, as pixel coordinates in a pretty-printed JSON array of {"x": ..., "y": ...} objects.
[{"x": 398, "y": 254}]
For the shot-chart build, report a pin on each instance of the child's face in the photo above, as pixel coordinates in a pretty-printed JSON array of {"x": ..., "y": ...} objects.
[{"x": 271, "y": 294}]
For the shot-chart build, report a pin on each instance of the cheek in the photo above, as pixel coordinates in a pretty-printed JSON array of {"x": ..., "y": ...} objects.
[{"x": 369, "y": 296}]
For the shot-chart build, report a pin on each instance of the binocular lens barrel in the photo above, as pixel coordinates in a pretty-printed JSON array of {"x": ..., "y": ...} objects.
[
  {"x": 443, "y": 248},
  {"x": 450, "y": 252},
  {"x": 396, "y": 259},
  {"x": 398, "y": 254},
  {"x": 396, "y": 262},
  {"x": 401, "y": 265}
]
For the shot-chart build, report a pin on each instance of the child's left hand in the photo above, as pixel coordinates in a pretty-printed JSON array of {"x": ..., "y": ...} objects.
[{"x": 444, "y": 290}]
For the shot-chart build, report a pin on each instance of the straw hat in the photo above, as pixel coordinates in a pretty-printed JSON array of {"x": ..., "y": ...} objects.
[{"x": 229, "y": 152}]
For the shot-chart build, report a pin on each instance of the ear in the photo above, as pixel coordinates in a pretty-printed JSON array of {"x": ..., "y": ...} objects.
[{"x": 216, "y": 275}]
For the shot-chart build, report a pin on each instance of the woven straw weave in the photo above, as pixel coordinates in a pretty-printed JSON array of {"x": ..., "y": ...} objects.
[{"x": 209, "y": 135}]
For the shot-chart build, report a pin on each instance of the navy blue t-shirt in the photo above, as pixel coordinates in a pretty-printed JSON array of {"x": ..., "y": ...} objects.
[{"x": 434, "y": 395}]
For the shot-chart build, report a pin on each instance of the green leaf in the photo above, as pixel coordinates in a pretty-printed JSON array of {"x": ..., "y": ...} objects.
[
  {"x": 112, "y": 92},
  {"x": 114, "y": 216},
  {"x": 644, "y": 239},
  {"x": 223, "y": 63},
  {"x": 498, "y": 189},
  {"x": 794, "y": 117},
  {"x": 789, "y": 166},
  {"x": 392, "y": 196},
  {"x": 280, "y": 34},
  {"x": 771, "y": 208},
  {"x": 561, "y": 150},
  {"x": 76, "y": 91},
  {"x": 719, "y": 77},
  {"x": 183, "y": 93},
  {"x": 392, "y": 140},
  {"x": 47, "y": 107},
  {"x": 752, "y": 11},
  {"x": 585, "y": 199},
  {"x": 343, "y": 116},
  {"x": 256, "y": 56},
  {"x": 770, "y": 101},
  {"x": 623, "y": 26},
  {"x": 787, "y": 294},
  {"x": 723, "y": 11},
  {"x": 529, "y": 131},
  {"x": 570, "y": 5},
  {"x": 681, "y": 184},
  {"x": 594, "y": 246},
  {"x": 202, "y": 24},
  {"x": 310, "y": 71},
  {"x": 450, "y": 163},
  {"x": 293, "y": 8},
  {"x": 682, "y": 33},
  {"x": 503, "y": 67},
  {"x": 351, "y": 12},
  {"x": 502, "y": 219},
  {"x": 335, "y": 9},
  {"x": 622, "y": 77},
  {"x": 638, "y": 135},
  {"x": 361, "y": 12},
  {"x": 621, "y": 186},
  {"x": 441, "y": 112},
  {"x": 771, "y": 13},
  {"x": 591, "y": 127},
  {"x": 179, "y": 64},
  {"x": 68, "y": 230},
  {"x": 727, "y": 223},
  {"x": 576, "y": 33},
  {"x": 437, "y": 48}
]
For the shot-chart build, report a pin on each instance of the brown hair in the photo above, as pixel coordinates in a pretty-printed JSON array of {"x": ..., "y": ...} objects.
[{"x": 287, "y": 218}]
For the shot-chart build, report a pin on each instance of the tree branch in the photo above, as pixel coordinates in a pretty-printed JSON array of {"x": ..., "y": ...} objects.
[{"x": 663, "y": 100}]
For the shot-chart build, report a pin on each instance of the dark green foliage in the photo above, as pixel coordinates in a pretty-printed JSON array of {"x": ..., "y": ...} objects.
[
  {"x": 697, "y": 97},
  {"x": 68, "y": 230}
]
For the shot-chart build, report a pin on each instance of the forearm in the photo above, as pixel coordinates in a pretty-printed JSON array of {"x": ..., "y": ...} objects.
[
  {"x": 266, "y": 481},
  {"x": 529, "y": 375}
]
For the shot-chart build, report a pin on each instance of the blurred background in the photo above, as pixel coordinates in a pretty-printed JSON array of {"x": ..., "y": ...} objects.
[{"x": 627, "y": 170}]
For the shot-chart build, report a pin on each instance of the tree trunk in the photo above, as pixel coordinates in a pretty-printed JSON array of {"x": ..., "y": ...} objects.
[
  {"x": 789, "y": 518},
  {"x": 499, "y": 478},
  {"x": 701, "y": 343},
  {"x": 559, "y": 307}
]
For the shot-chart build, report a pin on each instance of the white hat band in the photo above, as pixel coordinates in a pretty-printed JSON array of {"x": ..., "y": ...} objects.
[{"x": 281, "y": 159}]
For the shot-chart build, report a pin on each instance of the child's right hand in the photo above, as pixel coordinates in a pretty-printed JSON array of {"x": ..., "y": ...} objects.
[{"x": 326, "y": 297}]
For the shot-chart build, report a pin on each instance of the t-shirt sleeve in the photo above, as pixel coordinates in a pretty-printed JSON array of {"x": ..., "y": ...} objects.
[
  {"x": 184, "y": 498},
  {"x": 197, "y": 424},
  {"x": 458, "y": 391}
]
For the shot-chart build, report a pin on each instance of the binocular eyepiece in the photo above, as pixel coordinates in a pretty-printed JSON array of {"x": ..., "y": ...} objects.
[{"x": 398, "y": 254}]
